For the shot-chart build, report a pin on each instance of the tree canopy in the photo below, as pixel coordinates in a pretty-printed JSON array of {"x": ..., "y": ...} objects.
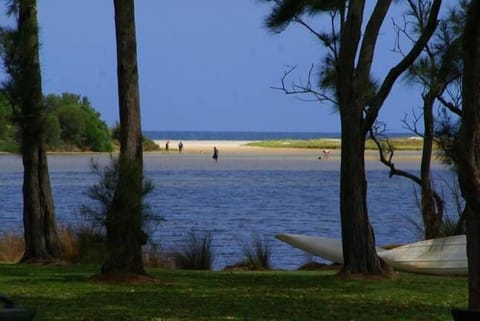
[{"x": 71, "y": 124}]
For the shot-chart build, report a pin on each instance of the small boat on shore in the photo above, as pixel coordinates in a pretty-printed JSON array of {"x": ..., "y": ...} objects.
[
  {"x": 324, "y": 247},
  {"x": 441, "y": 256}
]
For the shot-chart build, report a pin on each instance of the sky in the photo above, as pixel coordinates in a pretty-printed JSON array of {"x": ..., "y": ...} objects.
[{"x": 203, "y": 65}]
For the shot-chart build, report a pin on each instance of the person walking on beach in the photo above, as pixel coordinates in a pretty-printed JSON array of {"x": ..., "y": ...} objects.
[
  {"x": 166, "y": 145},
  {"x": 180, "y": 147},
  {"x": 215, "y": 153}
]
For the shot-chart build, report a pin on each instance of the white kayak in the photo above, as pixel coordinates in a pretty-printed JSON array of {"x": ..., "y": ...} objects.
[
  {"x": 443, "y": 256},
  {"x": 325, "y": 247}
]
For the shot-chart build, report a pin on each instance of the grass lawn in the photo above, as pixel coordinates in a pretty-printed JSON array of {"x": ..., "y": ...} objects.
[{"x": 65, "y": 293}]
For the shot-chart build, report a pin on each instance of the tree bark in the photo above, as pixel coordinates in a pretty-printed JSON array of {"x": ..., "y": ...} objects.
[
  {"x": 469, "y": 149},
  {"x": 432, "y": 211},
  {"x": 358, "y": 238},
  {"x": 124, "y": 222},
  {"x": 473, "y": 250},
  {"x": 41, "y": 239}
]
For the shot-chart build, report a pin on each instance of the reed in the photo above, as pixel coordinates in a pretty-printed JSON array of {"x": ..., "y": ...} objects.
[
  {"x": 194, "y": 252},
  {"x": 11, "y": 247},
  {"x": 257, "y": 253}
]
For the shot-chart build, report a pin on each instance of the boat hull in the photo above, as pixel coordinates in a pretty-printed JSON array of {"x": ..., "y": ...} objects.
[{"x": 442, "y": 256}]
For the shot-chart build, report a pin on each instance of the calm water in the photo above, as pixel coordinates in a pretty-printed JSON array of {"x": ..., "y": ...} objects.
[
  {"x": 242, "y": 135},
  {"x": 234, "y": 135},
  {"x": 234, "y": 198}
]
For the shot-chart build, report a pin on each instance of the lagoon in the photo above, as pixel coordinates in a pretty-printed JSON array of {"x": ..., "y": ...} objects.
[{"x": 243, "y": 194}]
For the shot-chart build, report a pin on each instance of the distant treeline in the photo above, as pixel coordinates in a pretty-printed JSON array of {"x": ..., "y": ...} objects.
[{"x": 71, "y": 125}]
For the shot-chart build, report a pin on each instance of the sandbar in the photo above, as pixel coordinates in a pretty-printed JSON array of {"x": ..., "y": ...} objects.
[
  {"x": 240, "y": 147},
  {"x": 206, "y": 146}
]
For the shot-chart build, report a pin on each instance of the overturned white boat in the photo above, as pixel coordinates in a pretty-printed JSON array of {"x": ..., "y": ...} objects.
[{"x": 442, "y": 256}]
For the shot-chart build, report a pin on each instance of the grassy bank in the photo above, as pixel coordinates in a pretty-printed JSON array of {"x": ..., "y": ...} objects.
[
  {"x": 64, "y": 293},
  {"x": 399, "y": 143}
]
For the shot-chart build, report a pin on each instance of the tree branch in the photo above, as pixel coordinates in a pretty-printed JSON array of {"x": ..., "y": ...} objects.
[
  {"x": 413, "y": 126},
  {"x": 386, "y": 155},
  {"x": 377, "y": 102},
  {"x": 299, "y": 89},
  {"x": 450, "y": 106},
  {"x": 300, "y": 21},
  {"x": 370, "y": 37}
]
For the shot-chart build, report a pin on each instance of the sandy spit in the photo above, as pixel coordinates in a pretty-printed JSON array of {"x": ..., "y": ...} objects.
[{"x": 239, "y": 147}]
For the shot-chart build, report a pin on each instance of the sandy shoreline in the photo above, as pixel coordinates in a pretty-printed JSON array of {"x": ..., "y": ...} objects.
[
  {"x": 206, "y": 145},
  {"x": 239, "y": 147}
]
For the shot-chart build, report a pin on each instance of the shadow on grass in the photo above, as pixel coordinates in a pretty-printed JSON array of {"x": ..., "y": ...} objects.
[{"x": 62, "y": 293}]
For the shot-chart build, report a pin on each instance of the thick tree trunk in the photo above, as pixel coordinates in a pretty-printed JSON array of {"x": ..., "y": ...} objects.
[
  {"x": 124, "y": 223},
  {"x": 469, "y": 149},
  {"x": 41, "y": 239},
  {"x": 358, "y": 238},
  {"x": 473, "y": 250}
]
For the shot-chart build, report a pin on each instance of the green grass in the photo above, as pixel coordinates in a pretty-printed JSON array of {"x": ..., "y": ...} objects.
[
  {"x": 399, "y": 143},
  {"x": 64, "y": 293}
]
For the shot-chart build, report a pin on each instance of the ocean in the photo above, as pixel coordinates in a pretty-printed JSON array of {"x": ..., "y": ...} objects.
[
  {"x": 236, "y": 199},
  {"x": 245, "y": 135}
]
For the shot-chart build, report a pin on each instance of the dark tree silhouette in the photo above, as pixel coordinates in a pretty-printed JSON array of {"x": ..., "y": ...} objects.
[
  {"x": 124, "y": 222},
  {"x": 359, "y": 102},
  {"x": 469, "y": 149},
  {"x": 20, "y": 53}
]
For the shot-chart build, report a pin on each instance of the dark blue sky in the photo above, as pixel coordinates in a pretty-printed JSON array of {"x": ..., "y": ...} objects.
[{"x": 204, "y": 65}]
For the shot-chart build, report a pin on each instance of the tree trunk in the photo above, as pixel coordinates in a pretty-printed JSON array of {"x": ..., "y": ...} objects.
[
  {"x": 469, "y": 149},
  {"x": 432, "y": 212},
  {"x": 473, "y": 250},
  {"x": 41, "y": 239},
  {"x": 358, "y": 238},
  {"x": 124, "y": 222}
]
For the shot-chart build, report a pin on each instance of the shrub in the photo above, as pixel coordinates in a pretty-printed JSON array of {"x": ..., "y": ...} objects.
[
  {"x": 148, "y": 144},
  {"x": 12, "y": 247},
  {"x": 83, "y": 243},
  {"x": 79, "y": 245},
  {"x": 195, "y": 252},
  {"x": 155, "y": 257},
  {"x": 103, "y": 191},
  {"x": 257, "y": 253},
  {"x": 451, "y": 227}
]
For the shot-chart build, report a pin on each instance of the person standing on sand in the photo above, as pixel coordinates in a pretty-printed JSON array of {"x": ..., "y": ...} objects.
[
  {"x": 166, "y": 145},
  {"x": 215, "y": 153},
  {"x": 180, "y": 147},
  {"x": 326, "y": 153}
]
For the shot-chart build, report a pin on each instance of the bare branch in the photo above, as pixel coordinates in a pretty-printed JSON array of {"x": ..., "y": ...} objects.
[
  {"x": 412, "y": 126},
  {"x": 450, "y": 106},
  {"x": 300, "y": 89},
  {"x": 386, "y": 151},
  {"x": 329, "y": 42},
  {"x": 300, "y": 21}
]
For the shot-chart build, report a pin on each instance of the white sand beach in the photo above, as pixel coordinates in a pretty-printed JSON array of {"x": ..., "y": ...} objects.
[
  {"x": 206, "y": 146},
  {"x": 240, "y": 147}
]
